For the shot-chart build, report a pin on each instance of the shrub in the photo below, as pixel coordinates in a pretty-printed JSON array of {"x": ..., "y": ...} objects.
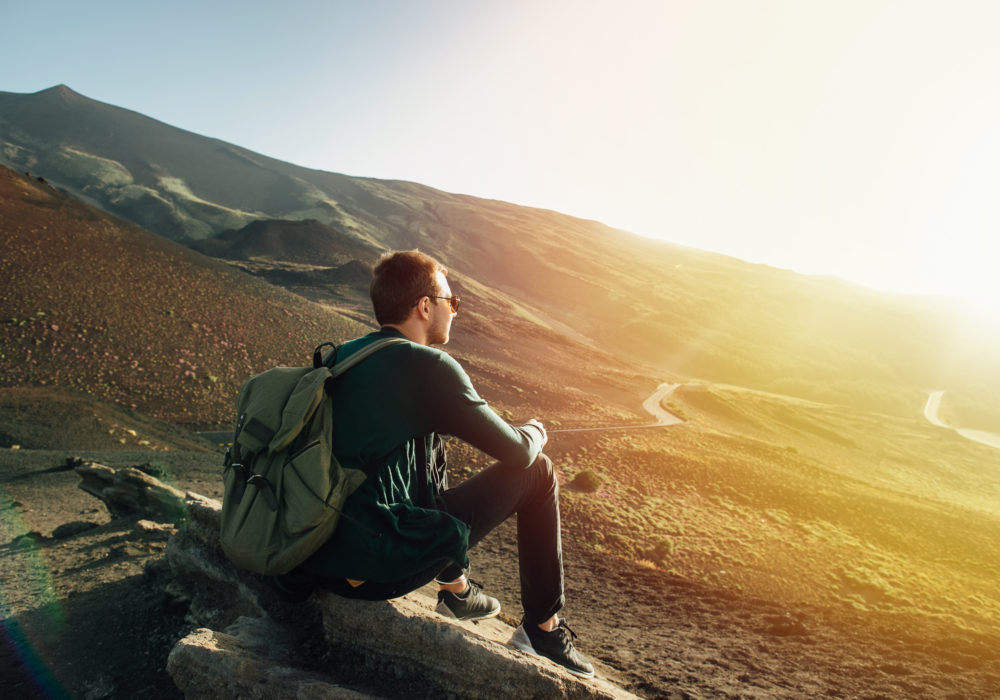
[
  {"x": 586, "y": 481},
  {"x": 662, "y": 551}
]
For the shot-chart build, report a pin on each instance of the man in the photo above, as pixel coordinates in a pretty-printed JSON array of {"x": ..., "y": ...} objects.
[{"x": 404, "y": 527}]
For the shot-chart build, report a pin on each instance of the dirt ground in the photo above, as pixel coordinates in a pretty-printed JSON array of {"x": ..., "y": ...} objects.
[{"x": 86, "y": 614}]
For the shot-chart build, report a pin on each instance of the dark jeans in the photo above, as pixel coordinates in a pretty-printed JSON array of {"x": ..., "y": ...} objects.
[{"x": 482, "y": 502}]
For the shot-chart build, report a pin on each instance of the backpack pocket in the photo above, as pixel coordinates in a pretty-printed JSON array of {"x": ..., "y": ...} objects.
[{"x": 307, "y": 483}]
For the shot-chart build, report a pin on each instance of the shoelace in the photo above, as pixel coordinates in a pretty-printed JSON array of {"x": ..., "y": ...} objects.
[
  {"x": 562, "y": 623},
  {"x": 473, "y": 585}
]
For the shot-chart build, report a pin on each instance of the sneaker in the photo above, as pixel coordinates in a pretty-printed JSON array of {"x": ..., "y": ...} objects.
[
  {"x": 555, "y": 646},
  {"x": 471, "y": 605}
]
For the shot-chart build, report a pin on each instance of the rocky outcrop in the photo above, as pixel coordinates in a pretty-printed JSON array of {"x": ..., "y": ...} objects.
[
  {"x": 247, "y": 643},
  {"x": 130, "y": 491},
  {"x": 251, "y": 644},
  {"x": 252, "y": 659}
]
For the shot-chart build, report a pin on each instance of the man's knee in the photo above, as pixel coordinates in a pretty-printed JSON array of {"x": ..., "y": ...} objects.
[{"x": 546, "y": 472}]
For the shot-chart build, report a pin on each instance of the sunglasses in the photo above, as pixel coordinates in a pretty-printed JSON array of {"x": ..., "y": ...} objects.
[{"x": 454, "y": 301}]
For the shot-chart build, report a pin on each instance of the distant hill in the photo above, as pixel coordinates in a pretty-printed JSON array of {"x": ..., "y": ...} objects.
[
  {"x": 176, "y": 183},
  {"x": 307, "y": 241},
  {"x": 673, "y": 309}
]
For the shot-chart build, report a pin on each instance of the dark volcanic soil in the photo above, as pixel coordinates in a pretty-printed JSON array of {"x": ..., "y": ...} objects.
[{"x": 86, "y": 614}]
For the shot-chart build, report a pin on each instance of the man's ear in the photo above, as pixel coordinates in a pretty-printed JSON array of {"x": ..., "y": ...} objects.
[{"x": 423, "y": 308}]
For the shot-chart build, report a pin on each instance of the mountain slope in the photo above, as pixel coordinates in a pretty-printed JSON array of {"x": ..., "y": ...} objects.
[
  {"x": 674, "y": 309},
  {"x": 97, "y": 305},
  {"x": 856, "y": 525},
  {"x": 308, "y": 241}
]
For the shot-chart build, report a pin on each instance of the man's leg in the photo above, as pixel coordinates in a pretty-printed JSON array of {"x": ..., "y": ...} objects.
[
  {"x": 493, "y": 495},
  {"x": 483, "y": 502},
  {"x": 489, "y": 498}
]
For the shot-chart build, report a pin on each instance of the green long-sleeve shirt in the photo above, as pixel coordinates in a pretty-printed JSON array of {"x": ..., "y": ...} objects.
[{"x": 382, "y": 409}]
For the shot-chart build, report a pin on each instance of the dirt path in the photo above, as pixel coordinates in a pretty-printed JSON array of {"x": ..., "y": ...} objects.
[
  {"x": 933, "y": 406},
  {"x": 652, "y": 405}
]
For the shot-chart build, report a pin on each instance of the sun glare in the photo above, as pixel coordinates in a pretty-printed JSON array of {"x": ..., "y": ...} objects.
[{"x": 985, "y": 311}]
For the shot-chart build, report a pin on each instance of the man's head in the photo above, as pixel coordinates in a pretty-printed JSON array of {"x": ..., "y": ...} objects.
[{"x": 410, "y": 288}]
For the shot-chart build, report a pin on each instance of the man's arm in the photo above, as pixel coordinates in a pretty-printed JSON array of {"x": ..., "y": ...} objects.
[{"x": 458, "y": 410}]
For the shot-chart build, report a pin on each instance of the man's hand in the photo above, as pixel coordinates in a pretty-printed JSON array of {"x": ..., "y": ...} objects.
[{"x": 541, "y": 428}]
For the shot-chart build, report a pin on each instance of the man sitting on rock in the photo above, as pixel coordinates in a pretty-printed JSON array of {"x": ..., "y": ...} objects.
[{"x": 404, "y": 527}]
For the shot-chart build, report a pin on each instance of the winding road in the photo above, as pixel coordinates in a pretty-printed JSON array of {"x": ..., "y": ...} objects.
[
  {"x": 931, "y": 409},
  {"x": 651, "y": 406}
]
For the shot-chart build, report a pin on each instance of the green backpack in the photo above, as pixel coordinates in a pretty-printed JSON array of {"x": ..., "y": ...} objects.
[{"x": 283, "y": 486}]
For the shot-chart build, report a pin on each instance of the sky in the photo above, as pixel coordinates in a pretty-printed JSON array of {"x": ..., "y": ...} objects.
[{"x": 857, "y": 139}]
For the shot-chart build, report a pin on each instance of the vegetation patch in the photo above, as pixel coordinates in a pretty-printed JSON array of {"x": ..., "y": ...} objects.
[{"x": 587, "y": 481}]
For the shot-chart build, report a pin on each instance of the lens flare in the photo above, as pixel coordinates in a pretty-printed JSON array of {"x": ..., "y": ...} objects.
[{"x": 23, "y": 563}]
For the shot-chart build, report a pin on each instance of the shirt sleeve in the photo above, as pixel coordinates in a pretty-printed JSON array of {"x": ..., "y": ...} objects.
[{"x": 458, "y": 410}]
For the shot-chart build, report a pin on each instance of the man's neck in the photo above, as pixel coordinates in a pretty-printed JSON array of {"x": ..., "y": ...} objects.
[{"x": 412, "y": 331}]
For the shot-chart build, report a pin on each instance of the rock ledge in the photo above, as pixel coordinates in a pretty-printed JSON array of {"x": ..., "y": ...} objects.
[{"x": 250, "y": 644}]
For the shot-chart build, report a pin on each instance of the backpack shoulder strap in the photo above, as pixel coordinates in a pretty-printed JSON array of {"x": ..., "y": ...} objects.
[{"x": 353, "y": 359}]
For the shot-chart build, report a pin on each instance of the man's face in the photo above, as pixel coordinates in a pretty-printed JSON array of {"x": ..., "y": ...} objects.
[{"x": 441, "y": 314}]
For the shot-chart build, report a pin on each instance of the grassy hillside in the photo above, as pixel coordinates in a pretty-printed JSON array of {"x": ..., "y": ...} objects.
[{"x": 308, "y": 242}]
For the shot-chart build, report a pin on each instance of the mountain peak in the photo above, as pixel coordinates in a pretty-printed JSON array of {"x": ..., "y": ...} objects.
[{"x": 63, "y": 92}]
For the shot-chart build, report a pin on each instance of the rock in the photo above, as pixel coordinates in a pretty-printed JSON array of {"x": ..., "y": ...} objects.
[
  {"x": 71, "y": 463},
  {"x": 414, "y": 650},
  {"x": 99, "y": 688},
  {"x": 786, "y": 625},
  {"x": 129, "y": 491},
  {"x": 155, "y": 530},
  {"x": 251, "y": 659},
  {"x": 28, "y": 540},
  {"x": 67, "y": 530},
  {"x": 250, "y": 644},
  {"x": 467, "y": 659}
]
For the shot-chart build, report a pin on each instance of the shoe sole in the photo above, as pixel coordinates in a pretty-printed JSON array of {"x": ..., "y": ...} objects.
[
  {"x": 522, "y": 642},
  {"x": 444, "y": 610}
]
